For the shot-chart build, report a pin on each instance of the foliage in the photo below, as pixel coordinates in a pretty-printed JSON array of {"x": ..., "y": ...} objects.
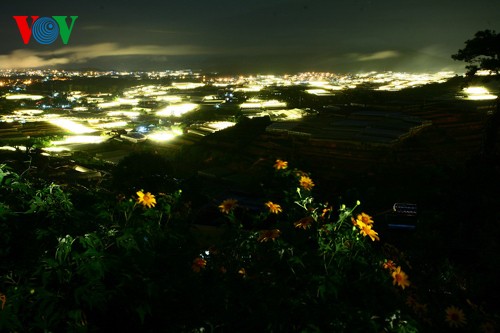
[
  {"x": 481, "y": 52},
  {"x": 134, "y": 262},
  {"x": 144, "y": 169}
]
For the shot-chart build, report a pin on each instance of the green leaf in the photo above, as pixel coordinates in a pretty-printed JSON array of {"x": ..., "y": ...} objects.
[{"x": 143, "y": 310}]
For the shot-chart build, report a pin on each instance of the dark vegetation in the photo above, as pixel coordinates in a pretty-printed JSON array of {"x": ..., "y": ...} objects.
[
  {"x": 79, "y": 256},
  {"x": 87, "y": 256},
  {"x": 481, "y": 52}
]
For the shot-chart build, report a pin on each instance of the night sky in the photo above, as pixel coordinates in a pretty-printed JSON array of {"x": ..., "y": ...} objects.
[{"x": 258, "y": 36}]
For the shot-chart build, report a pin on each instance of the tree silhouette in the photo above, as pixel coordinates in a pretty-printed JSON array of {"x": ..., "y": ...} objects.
[{"x": 481, "y": 52}]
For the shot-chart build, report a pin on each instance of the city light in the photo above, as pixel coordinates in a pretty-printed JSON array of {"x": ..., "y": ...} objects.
[
  {"x": 114, "y": 124},
  {"x": 484, "y": 72},
  {"x": 219, "y": 125},
  {"x": 143, "y": 107},
  {"x": 324, "y": 85},
  {"x": 398, "y": 81},
  {"x": 128, "y": 101},
  {"x": 289, "y": 114},
  {"x": 258, "y": 104},
  {"x": 177, "y": 110},
  {"x": 162, "y": 136},
  {"x": 9, "y": 148},
  {"x": 71, "y": 126},
  {"x": 81, "y": 139},
  {"x": 129, "y": 114},
  {"x": 24, "y": 96},
  {"x": 55, "y": 149},
  {"x": 106, "y": 105},
  {"x": 28, "y": 112},
  {"x": 250, "y": 88},
  {"x": 478, "y": 93},
  {"x": 319, "y": 92},
  {"x": 280, "y": 114},
  {"x": 273, "y": 104},
  {"x": 251, "y": 105},
  {"x": 169, "y": 98},
  {"x": 187, "y": 85}
]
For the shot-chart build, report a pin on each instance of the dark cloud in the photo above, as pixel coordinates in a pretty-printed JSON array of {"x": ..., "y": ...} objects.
[
  {"x": 255, "y": 35},
  {"x": 27, "y": 58}
]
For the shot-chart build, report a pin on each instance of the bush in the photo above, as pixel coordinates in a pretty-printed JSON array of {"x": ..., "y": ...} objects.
[{"x": 136, "y": 263}]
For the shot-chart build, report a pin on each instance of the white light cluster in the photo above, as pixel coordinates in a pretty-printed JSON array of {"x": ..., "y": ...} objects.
[
  {"x": 187, "y": 85},
  {"x": 81, "y": 139},
  {"x": 24, "y": 96},
  {"x": 177, "y": 110},
  {"x": 129, "y": 114},
  {"x": 259, "y": 104},
  {"x": 219, "y": 125},
  {"x": 161, "y": 136},
  {"x": 71, "y": 126},
  {"x": 478, "y": 94}
]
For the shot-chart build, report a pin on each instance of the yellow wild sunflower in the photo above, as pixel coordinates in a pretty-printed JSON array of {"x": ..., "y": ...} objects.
[
  {"x": 390, "y": 265},
  {"x": 3, "y": 299},
  {"x": 280, "y": 165},
  {"x": 455, "y": 317},
  {"x": 365, "y": 218},
  {"x": 146, "y": 199},
  {"x": 326, "y": 211},
  {"x": 306, "y": 183},
  {"x": 228, "y": 205},
  {"x": 304, "y": 223},
  {"x": 273, "y": 208},
  {"x": 266, "y": 235},
  {"x": 400, "y": 278},
  {"x": 198, "y": 264},
  {"x": 487, "y": 327},
  {"x": 366, "y": 230}
]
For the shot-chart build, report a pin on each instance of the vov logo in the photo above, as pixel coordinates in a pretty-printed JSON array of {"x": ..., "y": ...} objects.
[{"x": 45, "y": 30}]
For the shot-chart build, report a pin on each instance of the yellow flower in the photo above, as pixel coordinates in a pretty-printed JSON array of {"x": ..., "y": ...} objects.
[
  {"x": 354, "y": 222},
  {"x": 3, "y": 299},
  {"x": 281, "y": 165},
  {"x": 390, "y": 265},
  {"x": 273, "y": 208},
  {"x": 487, "y": 327},
  {"x": 266, "y": 235},
  {"x": 304, "y": 223},
  {"x": 146, "y": 199},
  {"x": 326, "y": 211},
  {"x": 400, "y": 278},
  {"x": 242, "y": 271},
  {"x": 366, "y": 230},
  {"x": 198, "y": 264},
  {"x": 306, "y": 183},
  {"x": 365, "y": 218},
  {"x": 455, "y": 317},
  {"x": 362, "y": 218},
  {"x": 472, "y": 305},
  {"x": 228, "y": 205},
  {"x": 419, "y": 308}
]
